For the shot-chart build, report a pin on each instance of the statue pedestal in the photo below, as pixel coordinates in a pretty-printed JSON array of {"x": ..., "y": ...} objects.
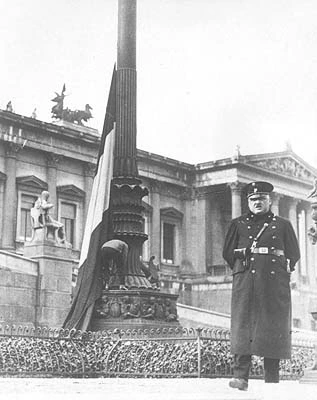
[
  {"x": 55, "y": 280},
  {"x": 134, "y": 309}
]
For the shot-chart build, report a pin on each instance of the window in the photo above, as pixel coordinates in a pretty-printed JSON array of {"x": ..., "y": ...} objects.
[
  {"x": 168, "y": 242},
  {"x": 171, "y": 236},
  {"x": 68, "y": 217},
  {"x": 27, "y": 202}
]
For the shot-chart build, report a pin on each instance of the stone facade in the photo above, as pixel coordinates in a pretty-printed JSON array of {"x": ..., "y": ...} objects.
[{"x": 187, "y": 210}]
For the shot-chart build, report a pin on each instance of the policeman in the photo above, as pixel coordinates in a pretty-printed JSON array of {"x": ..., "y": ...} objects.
[{"x": 262, "y": 250}]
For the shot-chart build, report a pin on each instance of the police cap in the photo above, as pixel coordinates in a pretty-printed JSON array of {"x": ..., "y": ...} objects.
[{"x": 259, "y": 187}]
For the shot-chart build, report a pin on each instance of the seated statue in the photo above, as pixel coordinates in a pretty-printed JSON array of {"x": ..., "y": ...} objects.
[{"x": 41, "y": 219}]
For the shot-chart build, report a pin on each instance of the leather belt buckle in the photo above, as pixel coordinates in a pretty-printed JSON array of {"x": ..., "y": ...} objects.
[{"x": 263, "y": 250}]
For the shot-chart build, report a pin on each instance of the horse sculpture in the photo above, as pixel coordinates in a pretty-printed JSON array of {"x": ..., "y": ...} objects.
[{"x": 74, "y": 116}]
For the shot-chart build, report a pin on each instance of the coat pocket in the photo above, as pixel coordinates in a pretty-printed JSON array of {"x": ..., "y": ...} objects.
[{"x": 282, "y": 263}]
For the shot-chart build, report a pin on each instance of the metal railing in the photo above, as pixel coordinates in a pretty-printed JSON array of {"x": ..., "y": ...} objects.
[{"x": 174, "y": 352}]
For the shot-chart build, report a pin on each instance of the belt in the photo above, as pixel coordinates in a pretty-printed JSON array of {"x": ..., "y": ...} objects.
[{"x": 267, "y": 250}]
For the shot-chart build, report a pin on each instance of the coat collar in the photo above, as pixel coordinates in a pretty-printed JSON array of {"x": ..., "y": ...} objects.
[{"x": 267, "y": 217}]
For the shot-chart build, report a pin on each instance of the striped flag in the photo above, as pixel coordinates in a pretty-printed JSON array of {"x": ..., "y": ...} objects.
[{"x": 89, "y": 283}]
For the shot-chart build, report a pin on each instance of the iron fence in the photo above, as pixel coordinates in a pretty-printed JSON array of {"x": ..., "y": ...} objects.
[{"x": 173, "y": 352}]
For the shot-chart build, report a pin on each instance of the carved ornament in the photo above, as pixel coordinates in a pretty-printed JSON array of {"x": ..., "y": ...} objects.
[
  {"x": 286, "y": 166},
  {"x": 127, "y": 306}
]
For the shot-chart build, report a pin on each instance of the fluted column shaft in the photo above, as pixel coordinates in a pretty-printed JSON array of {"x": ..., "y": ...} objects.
[
  {"x": 52, "y": 162},
  {"x": 275, "y": 207},
  {"x": 89, "y": 173},
  {"x": 236, "y": 191},
  {"x": 125, "y": 150},
  {"x": 156, "y": 224},
  {"x": 10, "y": 198},
  {"x": 292, "y": 216}
]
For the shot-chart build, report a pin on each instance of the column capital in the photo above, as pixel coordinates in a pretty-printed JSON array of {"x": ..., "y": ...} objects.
[
  {"x": 293, "y": 202},
  {"x": 276, "y": 196},
  {"x": 236, "y": 186},
  {"x": 90, "y": 169},
  {"x": 12, "y": 149},
  {"x": 155, "y": 186},
  {"x": 53, "y": 159}
]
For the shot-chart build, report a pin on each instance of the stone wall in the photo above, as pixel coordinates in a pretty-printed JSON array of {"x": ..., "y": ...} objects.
[
  {"x": 18, "y": 290},
  {"x": 35, "y": 292}
]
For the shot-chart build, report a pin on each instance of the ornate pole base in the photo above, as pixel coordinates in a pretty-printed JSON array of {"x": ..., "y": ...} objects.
[{"x": 134, "y": 309}]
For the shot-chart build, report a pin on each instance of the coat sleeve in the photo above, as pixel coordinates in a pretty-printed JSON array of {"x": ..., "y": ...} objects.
[
  {"x": 291, "y": 246},
  {"x": 231, "y": 242}
]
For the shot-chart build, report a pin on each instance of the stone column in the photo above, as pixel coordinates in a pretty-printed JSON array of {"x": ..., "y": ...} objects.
[
  {"x": 156, "y": 222},
  {"x": 236, "y": 190},
  {"x": 292, "y": 213},
  {"x": 275, "y": 208},
  {"x": 196, "y": 210},
  {"x": 89, "y": 173},
  {"x": 201, "y": 230},
  {"x": 52, "y": 162},
  {"x": 292, "y": 216},
  {"x": 10, "y": 197},
  {"x": 311, "y": 250}
]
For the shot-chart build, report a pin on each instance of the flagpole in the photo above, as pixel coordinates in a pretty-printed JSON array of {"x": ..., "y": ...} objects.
[
  {"x": 141, "y": 305},
  {"x": 126, "y": 192}
]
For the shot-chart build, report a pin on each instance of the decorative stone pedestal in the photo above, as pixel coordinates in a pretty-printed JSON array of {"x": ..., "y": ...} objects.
[
  {"x": 55, "y": 273},
  {"x": 134, "y": 309}
]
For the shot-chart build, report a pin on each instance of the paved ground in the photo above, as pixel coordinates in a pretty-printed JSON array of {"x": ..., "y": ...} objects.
[{"x": 150, "y": 389}]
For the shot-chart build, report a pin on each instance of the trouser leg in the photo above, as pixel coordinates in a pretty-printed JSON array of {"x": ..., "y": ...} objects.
[
  {"x": 271, "y": 370},
  {"x": 241, "y": 367}
]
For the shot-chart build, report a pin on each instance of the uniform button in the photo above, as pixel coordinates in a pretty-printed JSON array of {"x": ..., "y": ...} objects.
[
  {"x": 250, "y": 237},
  {"x": 273, "y": 237},
  {"x": 272, "y": 248},
  {"x": 273, "y": 260},
  {"x": 248, "y": 219},
  {"x": 249, "y": 227},
  {"x": 273, "y": 227},
  {"x": 272, "y": 272},
  {"x": 273, "y": 219},
  {"x": 253, "y": 271},
  {"x": 252, "y": 258}
]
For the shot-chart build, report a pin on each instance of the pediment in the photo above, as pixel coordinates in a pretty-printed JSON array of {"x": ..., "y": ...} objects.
[
  {"x": 287, "y": 165},
  {"x": 70, "y": 191},
  {"x": 31, "y": 181},
  {"x": 171, "y": 212}
]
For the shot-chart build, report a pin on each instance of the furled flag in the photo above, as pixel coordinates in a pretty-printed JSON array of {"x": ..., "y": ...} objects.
[{"x": 89, "y": 283}]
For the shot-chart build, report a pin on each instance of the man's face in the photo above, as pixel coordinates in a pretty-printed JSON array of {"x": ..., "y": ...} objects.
[{"x": 259, "y": 203}]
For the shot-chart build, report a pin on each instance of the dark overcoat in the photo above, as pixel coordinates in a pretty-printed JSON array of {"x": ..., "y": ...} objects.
[{"x": 261, "y": 298}]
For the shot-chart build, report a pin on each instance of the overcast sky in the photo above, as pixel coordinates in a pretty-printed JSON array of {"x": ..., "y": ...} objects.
[{"x": 211, "y": 73}]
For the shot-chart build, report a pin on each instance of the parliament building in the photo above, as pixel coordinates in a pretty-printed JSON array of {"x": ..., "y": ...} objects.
[{"x": 186, "y": 213}]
